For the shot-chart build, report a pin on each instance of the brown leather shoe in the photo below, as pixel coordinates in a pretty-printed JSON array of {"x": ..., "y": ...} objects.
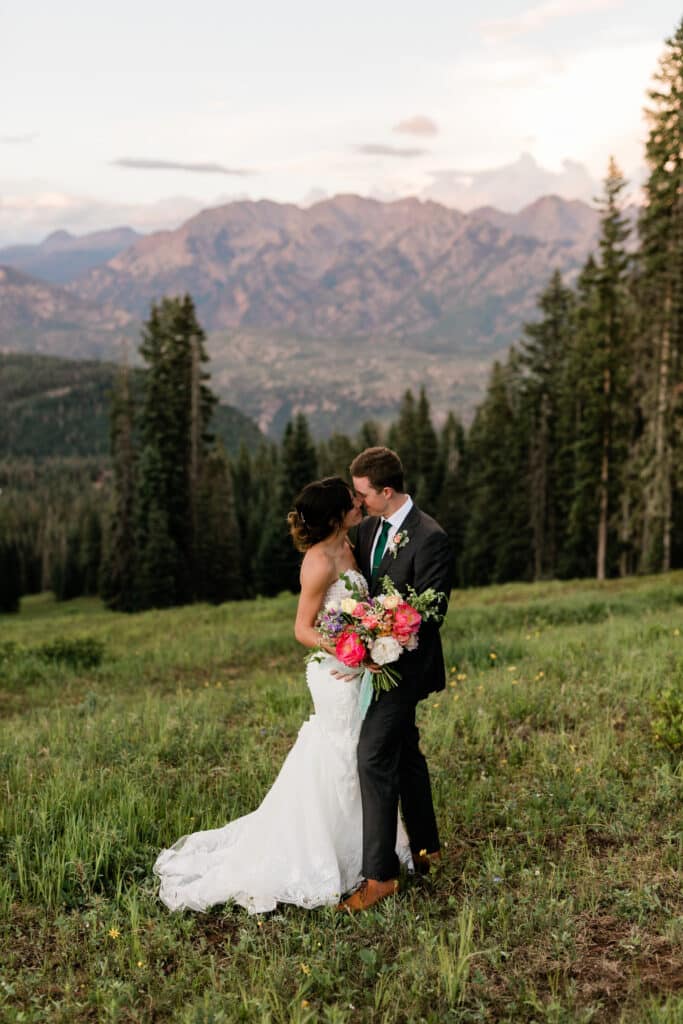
[
  {"x": 425, "y": 862},
  {"x": 371, "y": 891}
]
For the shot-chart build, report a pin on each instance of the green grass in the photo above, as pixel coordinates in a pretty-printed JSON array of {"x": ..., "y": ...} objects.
[{"x": 560, "y": 899}]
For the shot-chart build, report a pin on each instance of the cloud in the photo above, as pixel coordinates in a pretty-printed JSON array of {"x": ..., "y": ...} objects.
[
  {"x": 510, "y": 187},
  {"x": 378, "y": 149},
  {"x": 418, "y": 125},
  {"x": 535, "y": 17},
  {"x": 18, "y": 140},
  {"x": 141, "y": 164},
  {"x": 29, "y": 216}
]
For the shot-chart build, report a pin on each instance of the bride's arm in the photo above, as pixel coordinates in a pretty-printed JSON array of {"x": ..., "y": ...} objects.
[{"x": 317, "y": 573}]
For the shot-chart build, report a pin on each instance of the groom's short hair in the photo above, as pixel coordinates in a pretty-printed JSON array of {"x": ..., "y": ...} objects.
[{"x": 381, "y": 466}]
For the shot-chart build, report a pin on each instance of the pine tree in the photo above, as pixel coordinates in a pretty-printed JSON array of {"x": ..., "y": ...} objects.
[
  {"x": 403, "y": 439},
  {"x": 451, "y": 501},
  {"x": 157, "y": 564},
  {"x": 67, "y": 571},
  {"x": 335, "y": 456},
  {"x": 545, "y": 352},
  {"x": 119, "y": 559},
  {"x": 498, "y": 538},
  {"x": 428, "y": 479},
  {"x": 175, "y": 419},
  {"x": 577, "y": 557},
  {"x": 370, "y": 435},
  {"x": 10, "y": 577},
  {"x": 277, "y": 562},
  {"x": 661, "y": 296},
  {"x": 217, "y": 546}
]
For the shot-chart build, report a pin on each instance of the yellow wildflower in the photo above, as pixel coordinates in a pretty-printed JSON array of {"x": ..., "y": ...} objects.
[
  {"x": 114, "y": 933},
  {"x": 305, "y": 1004},
  {"x": 305, "y": 969}
]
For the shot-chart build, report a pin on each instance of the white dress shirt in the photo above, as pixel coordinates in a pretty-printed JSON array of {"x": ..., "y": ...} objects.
[{"x": 395, "y": 522}]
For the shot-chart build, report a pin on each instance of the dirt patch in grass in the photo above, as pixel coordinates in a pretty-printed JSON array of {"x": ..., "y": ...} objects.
[{"x": 615, "y": 960}]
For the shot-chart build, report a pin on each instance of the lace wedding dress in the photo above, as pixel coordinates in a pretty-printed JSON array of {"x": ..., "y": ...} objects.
[{"x": 303, "y": 844}]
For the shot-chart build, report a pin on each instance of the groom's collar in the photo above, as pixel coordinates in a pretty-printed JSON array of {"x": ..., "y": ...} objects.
[{"x": 400, "y": 515}]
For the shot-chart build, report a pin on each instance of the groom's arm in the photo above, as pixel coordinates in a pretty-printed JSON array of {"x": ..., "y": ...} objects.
[{"x": 434, "y": 567}]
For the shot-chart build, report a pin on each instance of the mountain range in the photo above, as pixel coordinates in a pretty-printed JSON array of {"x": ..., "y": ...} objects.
[{"x": 335, "y": 309}]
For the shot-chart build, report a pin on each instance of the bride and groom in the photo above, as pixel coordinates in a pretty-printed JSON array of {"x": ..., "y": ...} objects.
[{"x": 330, "y": 824}]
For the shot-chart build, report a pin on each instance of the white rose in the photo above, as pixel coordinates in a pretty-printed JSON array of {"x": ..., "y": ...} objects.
[
  {"x": 392, "y": 600},
  {"x": 332, "y": 606},
  {"x": 384, "y": 650},
  {"x": 348, "y": 604}
]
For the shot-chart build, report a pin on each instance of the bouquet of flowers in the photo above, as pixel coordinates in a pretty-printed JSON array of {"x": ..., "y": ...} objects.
[{"x": 377, "y": 630}]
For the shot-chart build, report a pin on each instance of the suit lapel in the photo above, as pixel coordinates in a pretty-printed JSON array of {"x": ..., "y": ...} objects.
[{"x": 409, "y": 523}]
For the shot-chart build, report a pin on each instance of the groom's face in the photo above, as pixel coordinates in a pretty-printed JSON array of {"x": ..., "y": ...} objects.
[{"x": 375, "y": 502}]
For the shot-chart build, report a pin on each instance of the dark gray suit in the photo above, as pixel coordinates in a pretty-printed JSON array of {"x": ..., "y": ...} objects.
[{"x": 390, "y": 763}]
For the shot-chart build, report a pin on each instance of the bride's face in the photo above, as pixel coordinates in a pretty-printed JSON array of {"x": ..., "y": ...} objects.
[{"x": 354, "y": 514}]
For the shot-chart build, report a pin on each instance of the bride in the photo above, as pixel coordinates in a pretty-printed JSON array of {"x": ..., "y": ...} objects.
[{"x": 303, "y": 844}]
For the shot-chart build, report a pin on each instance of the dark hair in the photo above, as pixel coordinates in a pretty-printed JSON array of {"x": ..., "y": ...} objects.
[
  {"x": 319, "y": 510},
  {"x": 381, "y": 466}
]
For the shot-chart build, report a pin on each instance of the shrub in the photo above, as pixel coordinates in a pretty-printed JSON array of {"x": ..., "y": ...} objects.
[{"x": 77, "y": 652}]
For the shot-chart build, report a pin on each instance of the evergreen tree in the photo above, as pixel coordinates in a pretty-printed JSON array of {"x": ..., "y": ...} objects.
[
  {"x": 451, "y": 501},
  {"x": 10, "y": 577},
  {"x": 157, "y": 566},
  {"x": 403, "y": 439},
  {"x": 277, "y": 562},
  {"x": 370, "y": 435},
  {"x": 661, "y": 299},
  {"x": 90, "y": 533},
  {"x": 119, "y": 559},
  {"x": 429, "y": 471},
  {"x": 335, "y": 456},
  {"x": 577, "y": 557},
  {"x": 175, "y": 418},
  {"x": 67, "y": 572},
  {"x": 498, "y": 538},
  {"x": 217, "y": 546},
  {"x": 545, "y": 354}
]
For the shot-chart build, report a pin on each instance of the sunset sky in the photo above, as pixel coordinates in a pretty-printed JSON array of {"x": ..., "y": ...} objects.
[{"x": 143, "y": 112}]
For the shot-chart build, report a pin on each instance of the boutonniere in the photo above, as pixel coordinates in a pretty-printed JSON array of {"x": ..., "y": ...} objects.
[{"x": 398, "y": 541}]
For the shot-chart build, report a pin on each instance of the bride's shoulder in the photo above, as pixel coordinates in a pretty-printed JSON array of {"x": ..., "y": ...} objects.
[{"x": 318, "y": 568}]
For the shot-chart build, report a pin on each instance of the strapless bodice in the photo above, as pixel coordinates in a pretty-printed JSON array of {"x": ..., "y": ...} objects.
[{"x": 338, "y": 590}]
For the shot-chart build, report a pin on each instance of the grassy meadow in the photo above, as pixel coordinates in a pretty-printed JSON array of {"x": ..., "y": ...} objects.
[{"x": 561, "y": 894}]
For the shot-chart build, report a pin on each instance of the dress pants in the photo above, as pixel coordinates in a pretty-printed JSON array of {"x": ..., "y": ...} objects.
[{"x": 392, "y": 767}]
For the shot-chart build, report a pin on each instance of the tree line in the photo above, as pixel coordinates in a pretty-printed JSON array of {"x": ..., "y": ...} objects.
[{"x": 572, "y": 465}]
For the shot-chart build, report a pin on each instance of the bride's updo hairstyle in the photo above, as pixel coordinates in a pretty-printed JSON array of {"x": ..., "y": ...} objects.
[{"x": 319, "y": 510}]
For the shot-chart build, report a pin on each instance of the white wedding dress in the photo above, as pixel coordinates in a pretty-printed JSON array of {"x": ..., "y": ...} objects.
[{"x": 303, "y": 844}]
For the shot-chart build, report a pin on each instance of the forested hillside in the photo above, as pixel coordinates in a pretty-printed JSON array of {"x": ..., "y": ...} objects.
[{"x": 60, "y": 407}]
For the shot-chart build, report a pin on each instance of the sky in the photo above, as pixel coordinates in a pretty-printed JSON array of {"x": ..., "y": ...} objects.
[{"x": 144, "y": 112}]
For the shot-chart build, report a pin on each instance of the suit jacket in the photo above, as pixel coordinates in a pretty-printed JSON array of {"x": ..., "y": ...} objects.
[{"x": 425, "y": 561}]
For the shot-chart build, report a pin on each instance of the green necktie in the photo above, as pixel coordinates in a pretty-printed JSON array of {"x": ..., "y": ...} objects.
[{"x": 380, "y": 546}]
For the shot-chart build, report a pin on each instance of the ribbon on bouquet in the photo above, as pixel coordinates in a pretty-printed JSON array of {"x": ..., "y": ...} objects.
[{"x": 366, "y": 692}]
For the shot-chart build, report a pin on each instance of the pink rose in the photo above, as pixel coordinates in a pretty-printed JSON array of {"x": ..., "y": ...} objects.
[
  {"x": 350, "y": 649},
  {"x": 406, "y": 621},
  {"x": 360, "y": 610}
]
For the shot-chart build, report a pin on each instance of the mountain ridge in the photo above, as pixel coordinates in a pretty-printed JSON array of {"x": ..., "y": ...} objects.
[{"x": 333, "y": 309}]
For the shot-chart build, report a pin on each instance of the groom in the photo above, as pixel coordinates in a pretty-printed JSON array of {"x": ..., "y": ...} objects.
[{"x": 399, "y": 541}]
